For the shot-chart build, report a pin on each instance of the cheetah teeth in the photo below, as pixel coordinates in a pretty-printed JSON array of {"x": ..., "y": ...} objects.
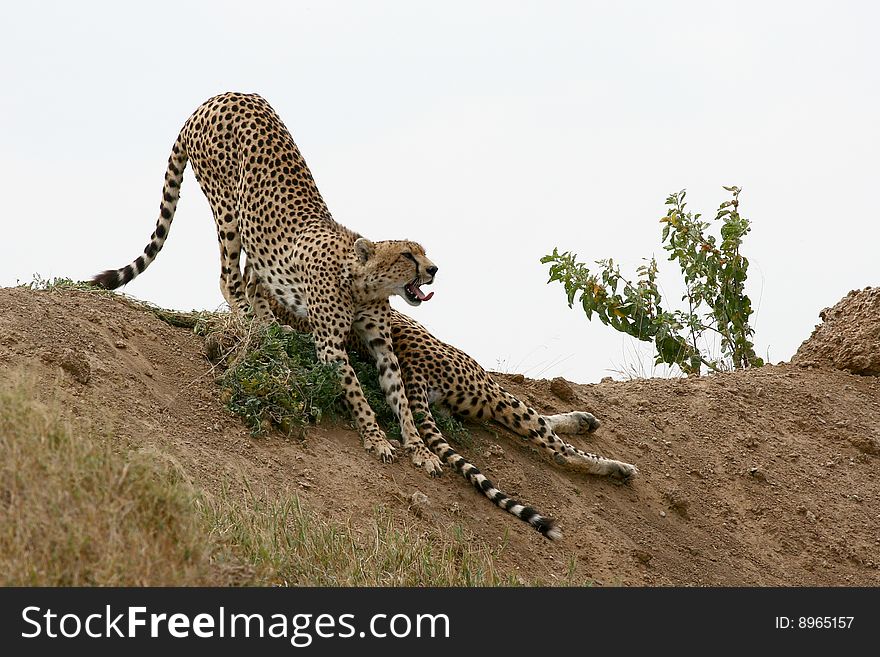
[{"x": 416, "y": 291}]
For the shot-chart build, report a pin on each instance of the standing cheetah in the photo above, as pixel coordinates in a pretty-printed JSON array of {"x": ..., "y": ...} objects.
[
  {"x": 434, "y": 371},
  {"x": 267, "y": 206}
]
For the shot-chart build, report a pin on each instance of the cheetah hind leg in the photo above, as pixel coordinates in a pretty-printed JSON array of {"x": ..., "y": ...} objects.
[
  {"x": 571, "y": 457},
  {"x": 581, "y": 422},
  {"x": 526, "y": 422},
  {"x": 576, "y": 422},
  {"x": 255, "y": 293}
]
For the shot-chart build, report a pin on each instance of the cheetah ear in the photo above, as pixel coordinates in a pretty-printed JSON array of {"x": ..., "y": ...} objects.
[{"x": 364, "y": 249}]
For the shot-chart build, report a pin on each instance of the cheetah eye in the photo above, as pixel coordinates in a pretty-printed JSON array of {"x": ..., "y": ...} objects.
[{"x": 409, "y": 256}]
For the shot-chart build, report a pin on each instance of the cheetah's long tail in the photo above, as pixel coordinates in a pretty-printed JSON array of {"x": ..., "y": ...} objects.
[
  {"x": 544, "y": 524},
  {"x": 113, "y": 278}
]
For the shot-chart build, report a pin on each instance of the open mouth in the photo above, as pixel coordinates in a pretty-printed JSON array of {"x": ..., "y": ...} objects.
[{"x": 414, "y": 294}]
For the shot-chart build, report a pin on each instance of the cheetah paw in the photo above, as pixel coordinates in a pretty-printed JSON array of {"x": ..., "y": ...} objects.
[
  {"x": 624, "y": 471},
  {"x": 422, "y": 457},
  {"x": 587, "y": 422},
  {"x": 380, "y": 447},
  {"x": 575, "y": 422}
]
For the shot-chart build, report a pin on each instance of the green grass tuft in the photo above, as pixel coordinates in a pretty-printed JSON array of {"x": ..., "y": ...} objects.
[
  {"x": 279, "y": 383},
  {"x": 274, "y": 381}
]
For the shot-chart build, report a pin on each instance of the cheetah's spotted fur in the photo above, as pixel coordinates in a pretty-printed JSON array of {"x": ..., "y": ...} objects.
[
  {"x": 266, "y": 205},
  {"x": 434, "y": 371}
]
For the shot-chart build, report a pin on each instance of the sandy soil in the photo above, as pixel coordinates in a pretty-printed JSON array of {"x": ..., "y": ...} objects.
[
  {"x": 767, "y": 477},
  {"x": 848, "y": 337}
]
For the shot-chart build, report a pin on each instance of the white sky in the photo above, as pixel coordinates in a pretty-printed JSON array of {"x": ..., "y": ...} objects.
[{"x": 488, "y": 131}]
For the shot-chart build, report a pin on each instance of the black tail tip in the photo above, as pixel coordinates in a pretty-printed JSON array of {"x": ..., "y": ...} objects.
[
  {"x": 109, "y": 280},
  {"x": 548, "y": 527}
]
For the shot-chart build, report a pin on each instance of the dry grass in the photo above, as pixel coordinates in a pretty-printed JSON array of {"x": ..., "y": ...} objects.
[
  {"x": 289, "y": 545},
  {"x": 77, "y": 508},
  {"x": 75, "y": 512}
]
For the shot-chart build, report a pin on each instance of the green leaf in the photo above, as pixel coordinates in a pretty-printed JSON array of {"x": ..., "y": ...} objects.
[{"x": 714, "y": 273}]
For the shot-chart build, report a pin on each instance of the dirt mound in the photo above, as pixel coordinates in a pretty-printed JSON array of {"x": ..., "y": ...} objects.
[
  {"x": 848, "y": 337},
  {"x": 764, "y": 477}
]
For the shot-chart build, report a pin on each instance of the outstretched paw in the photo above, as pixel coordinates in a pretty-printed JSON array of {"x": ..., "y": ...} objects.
[
  {"x": 624, "y": 471},
  {"x": 376, "y": 443},
  {"x": 575, "y": 422},
  {"x": 424, "y": 458},
  {"x": 587, "y": 422}
]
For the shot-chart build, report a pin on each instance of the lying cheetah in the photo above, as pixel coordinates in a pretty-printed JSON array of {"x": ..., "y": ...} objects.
[
  {"x": 267, "y": 206},
  {"x": 434, "y": 371}
]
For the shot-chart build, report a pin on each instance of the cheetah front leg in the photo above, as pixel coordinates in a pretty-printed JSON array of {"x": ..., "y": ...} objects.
[
  {"x": 330, "y": 350},
  {"x": 427, "y": 427},
  {"x": 372, "y": 327},
  {"x": 374, "y": 439}
]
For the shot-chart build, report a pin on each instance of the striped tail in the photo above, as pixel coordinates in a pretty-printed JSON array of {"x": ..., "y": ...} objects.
[
  {"x": 544, "y": 524},
  {"x": 113, "y": 278}
]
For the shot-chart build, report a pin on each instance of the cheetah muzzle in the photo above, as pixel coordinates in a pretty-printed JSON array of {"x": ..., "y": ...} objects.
[{"x": 412, "y": 291}]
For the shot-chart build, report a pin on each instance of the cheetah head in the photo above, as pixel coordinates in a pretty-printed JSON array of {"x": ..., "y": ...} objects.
[{"x": 395, "y": 267}]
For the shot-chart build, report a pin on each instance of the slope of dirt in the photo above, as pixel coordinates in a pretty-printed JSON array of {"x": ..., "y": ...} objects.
[
  {"x": 767, "y": 477},
  {"x": 848, "y": 337}
]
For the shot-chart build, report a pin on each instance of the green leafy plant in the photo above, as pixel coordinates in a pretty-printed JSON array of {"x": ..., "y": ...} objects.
[
  {"x": 714, "y": 273},
  {"x": 280, "y": 384},
  {"x": 276, "y": 382}
]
